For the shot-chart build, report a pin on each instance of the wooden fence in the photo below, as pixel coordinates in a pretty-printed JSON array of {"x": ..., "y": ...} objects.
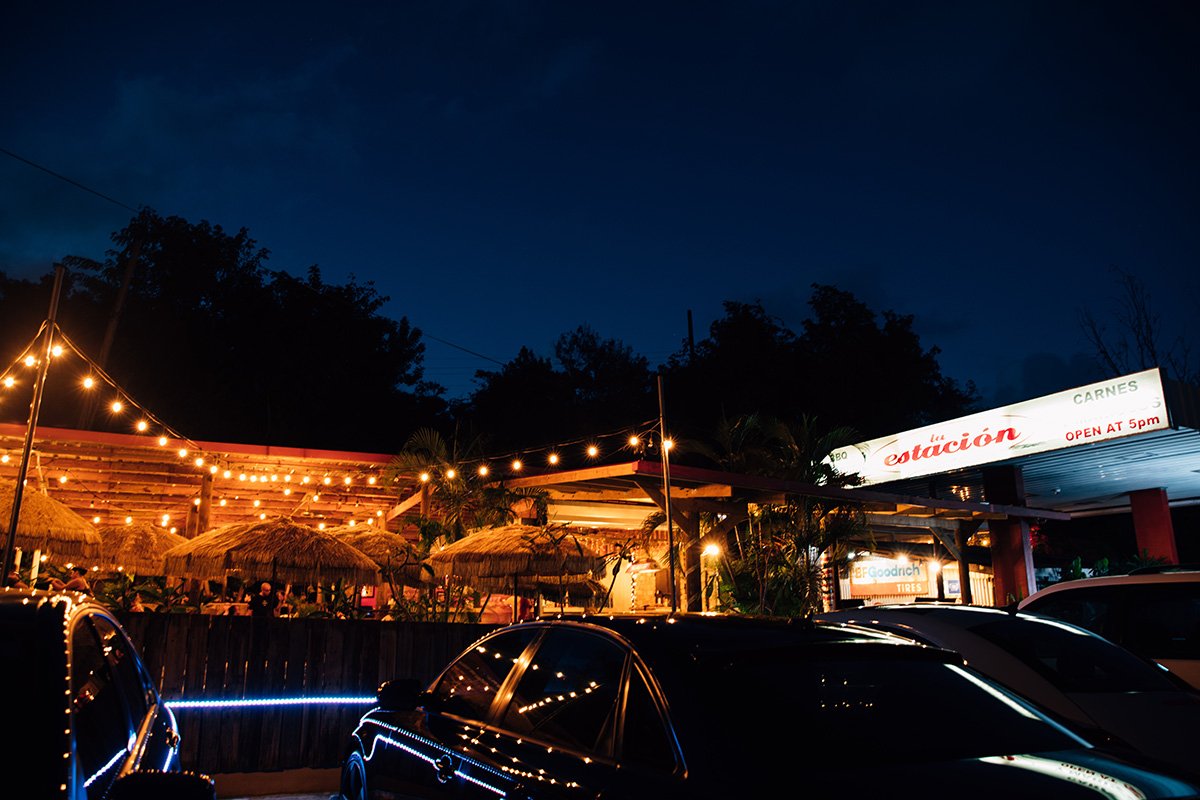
[{"x": 201, "y": 657}]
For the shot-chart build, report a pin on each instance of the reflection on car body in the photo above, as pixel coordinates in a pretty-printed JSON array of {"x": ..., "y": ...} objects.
[
  {"x": 704, "y": 706},
  {"x": 1153, "y": 612},
  {"x": 1109, "y": 695},
  {"x": 90, "y": 721}
]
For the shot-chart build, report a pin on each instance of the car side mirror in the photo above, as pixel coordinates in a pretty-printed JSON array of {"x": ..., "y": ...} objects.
[
  {"x": 155, "y": 785},
  {"x": 399, "y": 695}
]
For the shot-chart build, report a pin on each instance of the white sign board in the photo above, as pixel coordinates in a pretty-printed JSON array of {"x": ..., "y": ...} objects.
[{"x": 1105, "y": 410}]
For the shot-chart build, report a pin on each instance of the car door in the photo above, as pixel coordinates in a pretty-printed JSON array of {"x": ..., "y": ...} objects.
[
  {"x": 156, "y": 743},
  {"x": 429, "y": 751},
  {"x": 558, "y": 725},
  {"x": 101, "y": 726}
]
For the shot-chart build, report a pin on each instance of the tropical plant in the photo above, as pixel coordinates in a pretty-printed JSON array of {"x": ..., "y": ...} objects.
[
  {"x": 458, "y": 500},
  {"x": 782, "y": 557}
]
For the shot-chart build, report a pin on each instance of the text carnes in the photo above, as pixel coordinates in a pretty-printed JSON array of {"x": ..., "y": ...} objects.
[{"x": 945, "y": 446}]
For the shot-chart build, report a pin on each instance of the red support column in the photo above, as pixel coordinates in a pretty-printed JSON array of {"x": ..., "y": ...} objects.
[
  {"x": 1152, "y": 526},
  {"x": 1012, "y": 554}
]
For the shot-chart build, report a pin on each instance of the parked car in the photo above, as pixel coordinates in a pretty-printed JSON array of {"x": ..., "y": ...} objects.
[
  {"x": 1102, "y": 691},
  {"x": 1154, "y": 612},
  {"x": 705, "y": 706},
  {"x": 84, "y": 719}
]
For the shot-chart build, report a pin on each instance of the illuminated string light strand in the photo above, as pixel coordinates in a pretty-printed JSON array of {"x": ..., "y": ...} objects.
[
  {"x": 189, "y": 449},
  {"x": 636, "y": 438}
]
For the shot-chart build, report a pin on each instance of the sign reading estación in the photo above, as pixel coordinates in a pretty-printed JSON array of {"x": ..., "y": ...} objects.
[{"x": 1105, "y": 410}]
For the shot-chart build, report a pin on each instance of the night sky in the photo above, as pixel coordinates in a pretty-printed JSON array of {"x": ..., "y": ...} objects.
[{"x": 506, "y": 171}]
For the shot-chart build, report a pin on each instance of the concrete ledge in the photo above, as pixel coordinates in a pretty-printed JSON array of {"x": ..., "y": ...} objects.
[{"x": 293, "y": 782}]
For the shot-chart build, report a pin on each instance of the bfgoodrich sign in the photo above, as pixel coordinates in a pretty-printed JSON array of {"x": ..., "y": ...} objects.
[{"x": 1105, "y": 410}]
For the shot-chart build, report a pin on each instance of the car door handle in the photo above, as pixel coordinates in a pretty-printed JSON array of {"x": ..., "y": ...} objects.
[{"x": 444, "y": 767}]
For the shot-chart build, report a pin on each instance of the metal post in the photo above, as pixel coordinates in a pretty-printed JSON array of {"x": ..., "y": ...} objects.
[
  {"x": 35, "y": 406},
  {"x": 666, "y": 467}
]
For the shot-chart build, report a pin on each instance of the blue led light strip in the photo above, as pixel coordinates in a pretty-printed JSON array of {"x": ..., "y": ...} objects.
[{"x": 175, "y": 705}]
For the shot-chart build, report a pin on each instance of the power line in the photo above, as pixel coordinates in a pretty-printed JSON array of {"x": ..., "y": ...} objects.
[
  {"x": 460, "y": 347},
  {"x": 74, "y": 183}
]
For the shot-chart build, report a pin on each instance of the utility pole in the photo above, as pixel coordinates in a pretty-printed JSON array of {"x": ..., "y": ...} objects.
[
  {"x": 35, "y": 406},
  {"x": 666, "y": 470}
]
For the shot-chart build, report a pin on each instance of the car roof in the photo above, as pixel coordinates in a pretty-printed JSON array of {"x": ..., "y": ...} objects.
[
  {"x": 1141, "y": 578},
  {"x": 21, "y": 601},
  {"x": 684, "y": 638}
]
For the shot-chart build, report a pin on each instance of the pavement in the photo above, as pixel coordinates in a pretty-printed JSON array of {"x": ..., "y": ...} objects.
[{"x": 295, "y": 784}]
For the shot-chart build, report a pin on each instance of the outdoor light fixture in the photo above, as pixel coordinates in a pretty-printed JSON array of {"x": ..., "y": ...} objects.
[
  {"x": 643, "y": 565},
  {"x": 88, "y": 382},
  {"x": 162, "y": 441},
  {"x": 451, "y": 474},
  {"x": 712, "y": 550},
  {"x": 593, "y": 451},
  {"x": 634, "y": 441},
  {"x": 424, "y": 476},
  {"x": 516, "y": 465},
  {"x": 553, "y": 459},
  {"x": 117, "y": 406},
  {"x": 483, "y": 470}
]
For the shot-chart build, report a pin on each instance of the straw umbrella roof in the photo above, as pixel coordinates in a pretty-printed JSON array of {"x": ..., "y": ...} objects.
[
  {"x": 137, "y": 548},
  {"x": 278, "y": 549},
  {"x": 494, "y": 556},
  {"x": 48, "y": 525},
  {"x": 390, "y": 551}
]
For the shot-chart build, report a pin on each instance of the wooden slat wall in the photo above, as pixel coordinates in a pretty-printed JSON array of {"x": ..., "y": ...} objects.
[{"x": 202, "y": 657}]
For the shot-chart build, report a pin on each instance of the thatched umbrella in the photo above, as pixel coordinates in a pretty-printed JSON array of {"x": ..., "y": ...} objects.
[
  {"x": 137, "y": 548},
  {"x": 277, "y": 548},
  {"x": 390, "y": 551},
  {"x": 48, "y": 525},
  {"x": 512, "y": 557}
]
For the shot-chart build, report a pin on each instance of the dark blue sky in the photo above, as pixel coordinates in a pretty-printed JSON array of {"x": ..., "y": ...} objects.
[{"x": 506, "y": 171}]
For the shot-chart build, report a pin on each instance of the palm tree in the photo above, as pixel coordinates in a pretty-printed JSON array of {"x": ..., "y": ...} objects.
[
  {"x": 779, "y": 562},
  {"x": 457, "y": 499}
]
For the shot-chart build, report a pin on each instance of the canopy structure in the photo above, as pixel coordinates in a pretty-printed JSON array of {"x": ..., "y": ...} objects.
[
  {"x": 395, "y": 556},
  {"x": 137, "y": 548},
  {"x": 520, "y": 555},
  {"x": 276, "y": 549},
  {"x": 47, "y": 525}
]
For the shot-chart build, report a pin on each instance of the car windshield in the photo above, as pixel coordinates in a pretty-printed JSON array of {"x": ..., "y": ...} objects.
[
  {"x": 1072, "y": 660},
  {"x": 788, "y": 704}
]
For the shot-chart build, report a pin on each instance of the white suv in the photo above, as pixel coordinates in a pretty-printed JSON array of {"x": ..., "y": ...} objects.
[{"x": 1154, "y": 612}]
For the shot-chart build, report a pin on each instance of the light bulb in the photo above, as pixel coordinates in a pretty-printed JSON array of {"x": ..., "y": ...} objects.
[
  {"x": 117, "y": 406},
  {"x": 199, "y": 462},
  {"x": 95, "y": 520},
  {"x": 346, "y": 481},
  {"x": 328, "y": 480},
  {"x": 424, "y": 477},
  {"x": 162, "y": 441},
  {"x": 553, "y": 458},
  {"x": 129, "y": 520},
  {"x": 483, "y": 470},
  {"x": 183, "y": 452},
  {"x": 371, "y": 481},
  {"x": 142, "y": 425},
  {"x": 593, "y": 451},
  {"x": 89, "y": 382},
  {"x": 30, "y": 361},
  {"x": 9, "y": 382},
  {"x": 516, "y": 465},
  {"x": 56, "y": 351}
]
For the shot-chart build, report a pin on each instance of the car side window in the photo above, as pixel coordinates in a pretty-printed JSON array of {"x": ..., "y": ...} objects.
[
  {"x": 1088, "y": 608},
  {"x": 645, "y": 740},
  {"x": 469, "y": 686},
  {"x": 1162, "y": 620},
  {"x": 568, "y": 694},
  {"x": 124, "y": 663},
  {"x": 103, "y": 730}
]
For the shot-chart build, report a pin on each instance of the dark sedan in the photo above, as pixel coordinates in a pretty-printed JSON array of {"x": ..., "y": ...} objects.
[
  {"x": 703, "y": 707},
  {"x": 84, "y": 719}
]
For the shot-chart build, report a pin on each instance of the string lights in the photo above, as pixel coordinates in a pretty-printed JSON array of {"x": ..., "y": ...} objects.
[{"x": 234, "y": 469}]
